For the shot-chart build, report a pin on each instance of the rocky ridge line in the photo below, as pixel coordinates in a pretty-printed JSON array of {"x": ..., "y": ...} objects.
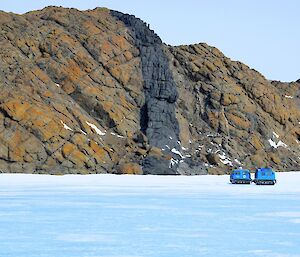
[{"x": 97, "y": 91}]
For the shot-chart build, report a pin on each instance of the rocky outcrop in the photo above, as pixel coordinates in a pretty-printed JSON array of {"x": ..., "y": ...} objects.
[
  {"x": 98, "y": 92},
  {"x": 158, "y": 119},
  {"x": 230, "y": 114},
  {"x": 64, "y": 101}
]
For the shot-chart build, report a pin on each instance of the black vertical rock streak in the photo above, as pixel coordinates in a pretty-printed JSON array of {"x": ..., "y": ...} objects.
[{"x": 158, "y": 119}]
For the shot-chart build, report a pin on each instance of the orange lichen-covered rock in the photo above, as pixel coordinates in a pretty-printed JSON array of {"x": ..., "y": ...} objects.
[
  {"x": 130, "y": 168},
  {"x": 100, "y": 154},
  {"x": 16, "y": 109},
  {"x": 238, "y": 122}
]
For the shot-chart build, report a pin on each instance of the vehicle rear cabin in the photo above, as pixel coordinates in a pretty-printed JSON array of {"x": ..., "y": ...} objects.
[{"x": 264, "y": 176}]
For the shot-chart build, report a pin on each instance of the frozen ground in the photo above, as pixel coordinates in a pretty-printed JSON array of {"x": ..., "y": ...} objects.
[{"x": 131, "y": 216}]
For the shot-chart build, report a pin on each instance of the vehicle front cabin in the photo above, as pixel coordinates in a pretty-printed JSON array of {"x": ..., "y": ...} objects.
[{"x": 240, "y": 176}]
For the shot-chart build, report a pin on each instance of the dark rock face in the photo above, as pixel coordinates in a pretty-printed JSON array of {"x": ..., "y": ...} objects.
[
  {"x": 158, "y": 122},
  {"x": 157, "y": 166},
  {"x": 98, "y": 92}
]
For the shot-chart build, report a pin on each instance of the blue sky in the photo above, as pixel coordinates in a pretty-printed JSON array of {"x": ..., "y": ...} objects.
[{"x": 263, "y": 34}]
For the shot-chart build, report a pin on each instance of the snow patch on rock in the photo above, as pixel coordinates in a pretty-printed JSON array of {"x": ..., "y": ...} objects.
[
  {"x": 177, "y": 152},
  {"x": 66, "y": 126},
  {"x": 95, "y": 128},
  {"x": 173, "y": 162},
  {"x": 276, "y": 145},
  {"x": 237, "y": 161},
  {"x": 114, "y": 134},
  {"x": 83, "y": 132},
  {"x": 225, "y": 160}
]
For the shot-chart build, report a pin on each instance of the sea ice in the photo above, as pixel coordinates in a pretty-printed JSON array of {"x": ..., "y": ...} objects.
[{"x": 147, "y": 216}]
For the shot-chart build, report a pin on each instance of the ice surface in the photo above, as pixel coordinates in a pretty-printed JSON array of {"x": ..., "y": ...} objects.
[{"x": 147, "y": 216}]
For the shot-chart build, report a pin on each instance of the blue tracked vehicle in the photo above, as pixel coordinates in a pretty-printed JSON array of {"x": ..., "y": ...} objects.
[
  {"x": 264, "y": 176},
  {"x": 240, "y": 176}
]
